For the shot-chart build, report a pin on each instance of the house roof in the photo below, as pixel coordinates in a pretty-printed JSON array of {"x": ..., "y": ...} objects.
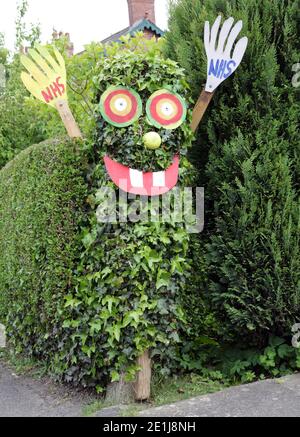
[{"x": 136, "y": 27}]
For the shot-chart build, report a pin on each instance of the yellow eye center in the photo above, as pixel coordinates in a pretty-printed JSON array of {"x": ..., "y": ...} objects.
[
  {"x": 167, "y": 109},
  {"x": 120, "y": 105}
]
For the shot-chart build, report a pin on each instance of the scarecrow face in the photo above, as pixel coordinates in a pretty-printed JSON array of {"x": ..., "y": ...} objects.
[
  {"x": 121, "y": 107},
  {"x": 143, "y": 134}
]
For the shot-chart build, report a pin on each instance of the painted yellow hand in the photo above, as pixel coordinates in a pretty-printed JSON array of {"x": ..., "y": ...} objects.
[
  {"x": 47, "y": 81},
  {"x": 46, "y": 77}
]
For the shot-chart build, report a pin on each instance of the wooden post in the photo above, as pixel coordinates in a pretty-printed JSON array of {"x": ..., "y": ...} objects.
[
  {"x": 200, "y": 108},
  {"x": 143, "y": 381},
  {"x": 120, "y": 392},
  {"x": 68, "y": 119}
]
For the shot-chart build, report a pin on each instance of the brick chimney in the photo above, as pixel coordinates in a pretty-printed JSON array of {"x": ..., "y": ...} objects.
[{"x": 139, "y": 9}]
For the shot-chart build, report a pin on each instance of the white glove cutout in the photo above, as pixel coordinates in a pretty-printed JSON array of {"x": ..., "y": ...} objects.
[{"x": 221, "y": 61}]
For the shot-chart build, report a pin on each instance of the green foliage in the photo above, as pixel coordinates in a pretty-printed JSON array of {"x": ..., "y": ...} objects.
[
  {"x": 131, "y": 275},
  {"x": 239, "y": 363},
  {"x": 3, "y": 51},
  {"x": 278, "y": 358},
  {"x": 81, "y": 69},
  {"x": 24, "y": 120},
  {"x": 170, "y": 390},
  {"x": 247, "y": 153},
  {"x": 24, "y": 35},
  {"x": 127, "y": 300},
  {"x": 41, "y": 195},
  {"x": 19, "y": 127},
  {"x": 110, "y": 292}
]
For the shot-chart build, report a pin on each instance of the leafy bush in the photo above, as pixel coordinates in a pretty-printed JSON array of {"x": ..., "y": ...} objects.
[
  {"x": 42, "y": 192},
  {"x": 248, "y": 159},
  {"x": 276, "y": 359},
  {"x": 131, "y": 276}
]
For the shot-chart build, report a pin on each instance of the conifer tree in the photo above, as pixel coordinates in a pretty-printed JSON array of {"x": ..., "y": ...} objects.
[{"x": 247, "y": 153}]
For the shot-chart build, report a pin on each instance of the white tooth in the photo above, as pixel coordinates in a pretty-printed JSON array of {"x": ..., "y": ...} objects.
[
  {"x": 159, "y": 179},
  {"x": 136, "y": 178}
]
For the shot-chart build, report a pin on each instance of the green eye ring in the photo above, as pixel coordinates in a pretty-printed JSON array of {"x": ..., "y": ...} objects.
[{"x": 166, "y": 109}]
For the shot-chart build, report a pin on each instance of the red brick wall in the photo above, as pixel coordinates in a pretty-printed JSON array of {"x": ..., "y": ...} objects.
[{"x": 138, "y": 8}]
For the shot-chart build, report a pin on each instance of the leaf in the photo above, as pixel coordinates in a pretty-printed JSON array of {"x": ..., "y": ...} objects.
[
  {"x": 153, "y": 257},
  {"x": 276, "y": 341},
  {"x": 105, "y": 272},
  {"x": 163, "y": 279},
  {"x": 99, "y": 389},
  {"x": 114, "y": 376},
  {"x": 162, "y": 306},
  {"x": 88, "y": 350},
  {"x": 89, "y": 239},
  {"x": 250, "y": 326},
  {"x": 95, "y": 327},
  {"x": 131, "y": 316},
  {"x": 72, "y": 302},
  {"x": 110, "y": 301},
  {"x": 115, "y": 331},
  {"x": 285, "y": 350}
]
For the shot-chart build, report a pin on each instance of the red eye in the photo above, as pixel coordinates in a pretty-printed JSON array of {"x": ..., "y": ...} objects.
[
  {"x": 120, "y": 106},
  {"x": 165, "y": 109}
]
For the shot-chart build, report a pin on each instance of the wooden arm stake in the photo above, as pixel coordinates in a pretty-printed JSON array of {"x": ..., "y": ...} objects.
[
  {"x": 68, "y": 119},
  {"x": 143, "y": 381},
  {"x": 200, "y": 108}
]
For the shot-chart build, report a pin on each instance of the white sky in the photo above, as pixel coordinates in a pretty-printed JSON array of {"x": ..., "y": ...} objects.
[{"x": 85, "y": 20}]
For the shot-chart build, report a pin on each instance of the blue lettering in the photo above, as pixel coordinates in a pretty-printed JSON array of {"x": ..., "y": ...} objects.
[
  {"x": 213, "y": 70},
  {"x": 229, "y": 72},
  {"x": 222, "y": 68}
]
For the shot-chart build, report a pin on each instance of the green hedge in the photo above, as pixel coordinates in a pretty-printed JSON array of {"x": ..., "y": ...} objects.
[
  {"x": 248, "y": 159},
  {"x": 41, "y": 196}
]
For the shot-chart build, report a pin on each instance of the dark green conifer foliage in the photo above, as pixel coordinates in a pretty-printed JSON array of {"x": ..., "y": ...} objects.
[{"x": 247, "y": 153}]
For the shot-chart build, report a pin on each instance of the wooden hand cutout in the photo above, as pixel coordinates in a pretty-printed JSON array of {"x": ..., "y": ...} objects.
[{"x": 46, "y": 80}]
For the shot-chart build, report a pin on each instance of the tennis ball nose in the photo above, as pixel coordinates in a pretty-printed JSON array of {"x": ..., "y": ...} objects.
[{"x": 152, "y": 140}]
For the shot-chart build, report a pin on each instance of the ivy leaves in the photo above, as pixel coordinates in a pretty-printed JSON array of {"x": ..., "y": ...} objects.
[
  {"x": 145, "y": 72},
  {"x": 128, "y": 299}
]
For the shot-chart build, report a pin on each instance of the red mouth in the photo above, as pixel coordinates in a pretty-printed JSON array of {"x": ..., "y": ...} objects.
[{"x": 145, "y": 184}]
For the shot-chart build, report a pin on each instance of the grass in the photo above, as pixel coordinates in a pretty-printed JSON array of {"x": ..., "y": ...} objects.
[
  {"x": 167, "y": 391},
  {"x": 91, "y": 409},
  {"x": 132, "y": 410},
  {"x": 22, "y": 365}
]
